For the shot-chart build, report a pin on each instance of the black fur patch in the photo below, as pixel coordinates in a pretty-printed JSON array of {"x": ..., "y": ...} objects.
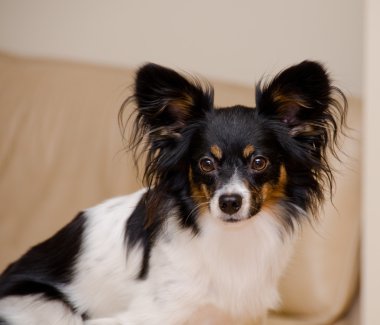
[
  {"x": 137, "y": 233},
  {"x": 46, "y": 265}
]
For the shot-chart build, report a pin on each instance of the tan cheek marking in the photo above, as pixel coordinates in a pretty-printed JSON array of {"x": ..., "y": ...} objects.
[
  {"x": 266, "y": 191},
  {"x": 283, "y": 177},
  {"x": 200, "y": 195},
  {"x": 248, "y": 150},
  {"x": 272, "y": 193},
  {"x": 206, "y": 192},
  {"x": 216, "y": 151}
]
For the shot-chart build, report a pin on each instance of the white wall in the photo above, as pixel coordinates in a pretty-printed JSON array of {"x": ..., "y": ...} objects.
[
  {"x": 231, "y": 40},
  {"x": 371, "y": 170}
]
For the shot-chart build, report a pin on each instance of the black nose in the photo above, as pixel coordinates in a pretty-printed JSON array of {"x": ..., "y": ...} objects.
[{"x": 230, "y": 203}]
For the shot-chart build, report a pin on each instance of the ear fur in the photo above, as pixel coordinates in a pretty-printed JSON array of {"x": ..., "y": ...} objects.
[
  {"x": 168, "y": 105},
  {"x": 302, "y": 98},
  {"x": 299, "y": 96},
  {"x": 167, "y": 101},
  {"x": 312, "y": 112}
]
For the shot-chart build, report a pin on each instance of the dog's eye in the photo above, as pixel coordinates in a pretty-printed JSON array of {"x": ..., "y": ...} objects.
[
  {"x": 259, "y": 163},
  {"x": 206, "y": 165}
]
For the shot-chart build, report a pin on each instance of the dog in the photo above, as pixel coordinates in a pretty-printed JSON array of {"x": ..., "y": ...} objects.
[{"x": 227, "y": 190}]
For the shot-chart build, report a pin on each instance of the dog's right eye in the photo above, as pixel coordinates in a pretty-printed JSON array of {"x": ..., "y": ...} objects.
[
  {"x": 259, "y": 163},
  {"x": 206, "y": 165}
]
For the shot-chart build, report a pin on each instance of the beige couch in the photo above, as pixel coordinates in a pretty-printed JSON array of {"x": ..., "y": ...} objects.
[{"x": 61, "y": 151}]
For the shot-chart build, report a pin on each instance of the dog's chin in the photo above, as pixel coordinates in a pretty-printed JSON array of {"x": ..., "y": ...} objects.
[
  {"x": 237, "y": 218},
  {"x": 234, "y": 219}
]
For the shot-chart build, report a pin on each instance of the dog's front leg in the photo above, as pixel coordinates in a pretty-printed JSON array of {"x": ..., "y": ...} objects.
[
  {"x": 148, "y": 316},
  {"x": 176, "y": 318}
]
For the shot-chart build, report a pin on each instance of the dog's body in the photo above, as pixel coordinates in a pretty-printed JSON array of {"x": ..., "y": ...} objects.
[
  {"x": 185, "y": 272},
  {"x": 226, "y": 192}
]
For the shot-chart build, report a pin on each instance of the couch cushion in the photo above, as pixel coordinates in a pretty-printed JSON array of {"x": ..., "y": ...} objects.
[
  {"x": 61, "y": 151},
  {"x": 60, "y": 146}
]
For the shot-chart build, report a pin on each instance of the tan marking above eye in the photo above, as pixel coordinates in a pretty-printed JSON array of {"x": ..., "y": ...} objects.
[
  {"x": 216, "y": 151},
  {"x": 248, "y": 151}
]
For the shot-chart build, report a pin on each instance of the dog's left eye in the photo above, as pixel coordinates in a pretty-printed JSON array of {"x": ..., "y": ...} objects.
[
  {"x": 259, "y": 163},
  {"x": 206, "y": 165}
]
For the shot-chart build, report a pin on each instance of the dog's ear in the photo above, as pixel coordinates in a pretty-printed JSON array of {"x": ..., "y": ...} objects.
[
  {"x": 169, "y": 108},
  {"x": 167, "y": 101},
  {"x": 301, "y": 97}
]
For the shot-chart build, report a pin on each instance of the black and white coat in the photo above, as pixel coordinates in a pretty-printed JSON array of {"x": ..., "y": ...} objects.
[{"x": 234, "y": 270}]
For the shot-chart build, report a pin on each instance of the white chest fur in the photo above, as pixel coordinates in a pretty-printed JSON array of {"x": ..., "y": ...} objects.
[{"x": 234, "y": 267}]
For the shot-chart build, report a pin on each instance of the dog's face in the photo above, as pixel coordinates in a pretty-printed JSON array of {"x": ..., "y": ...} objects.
[
  {"x": 235, "y": 161},
  {"x": 236, "y": 165}
]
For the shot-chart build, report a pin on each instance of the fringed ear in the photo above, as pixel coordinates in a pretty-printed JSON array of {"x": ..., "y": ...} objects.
[
  {"x": 168, "y": 107},
  {"x": 167, "y": 102},
  {"x": 168, "y": 110},
  {"x": 302, "y": 98},
  {"x": 302, "y": 101}
]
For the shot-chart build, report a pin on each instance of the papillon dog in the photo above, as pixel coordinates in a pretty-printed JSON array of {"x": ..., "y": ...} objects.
[{"x": 226, "y": 192}]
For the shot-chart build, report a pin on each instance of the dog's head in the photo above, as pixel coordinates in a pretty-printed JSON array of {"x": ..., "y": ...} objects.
[{"x": 235, "y": 161}]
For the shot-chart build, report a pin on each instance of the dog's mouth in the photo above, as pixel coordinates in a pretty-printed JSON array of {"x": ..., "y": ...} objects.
[
  {"x": 239, "y": 216},
  {"x": 232, "y": 219}
]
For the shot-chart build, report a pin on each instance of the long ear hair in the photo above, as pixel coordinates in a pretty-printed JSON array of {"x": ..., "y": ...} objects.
[
  {"x": 313, "y": 112},
  {"x": 168, "y": 108}
]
